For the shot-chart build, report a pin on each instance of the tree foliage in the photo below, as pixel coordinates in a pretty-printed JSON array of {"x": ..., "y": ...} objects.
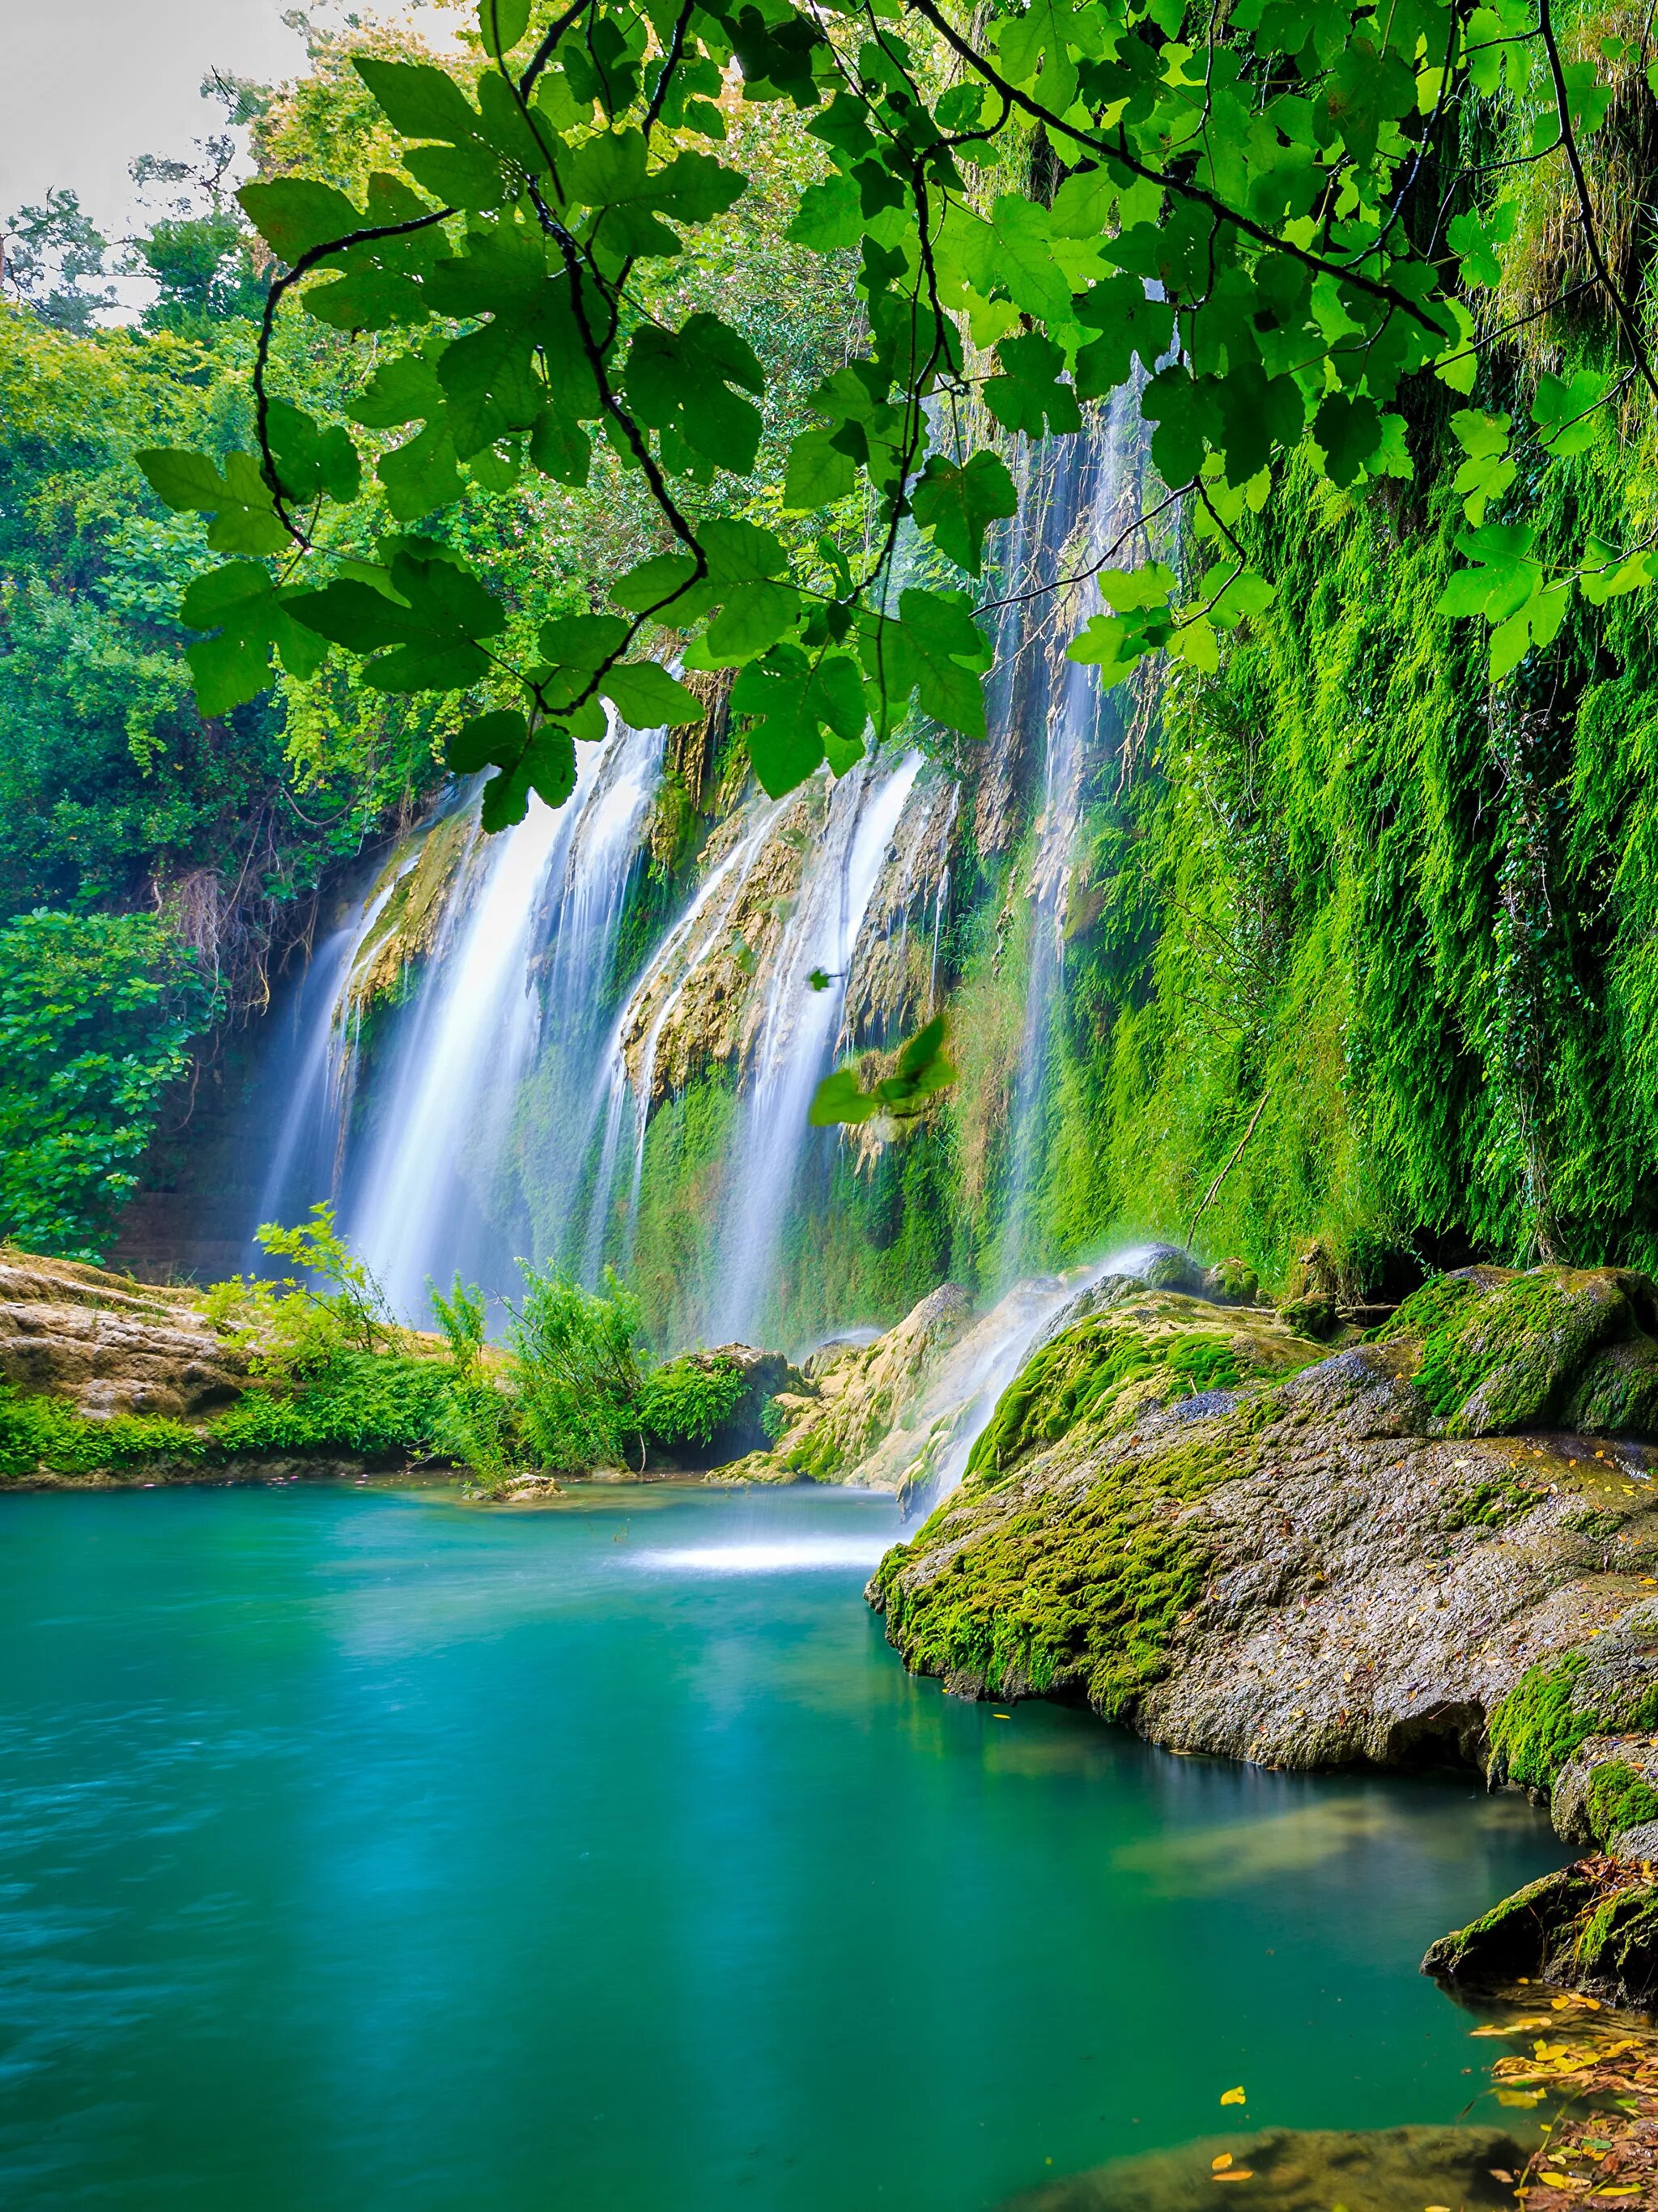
[
  {"x": 96, "y": 1011},
  {"x": 1276, "y": 220}
]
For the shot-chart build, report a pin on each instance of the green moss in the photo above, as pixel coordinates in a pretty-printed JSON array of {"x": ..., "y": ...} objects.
[
  {"x": 1543, "y": 1719},
  {"x": 1080, "y": 1379},
  {"x": 1101, "y": 1373},
  {"x": 1619, "y": 1939},
  {"x": 1086, "y": 1601},
  {"x": 1619, "y": 1797},
  {"x": 1491, "y": 1504}
]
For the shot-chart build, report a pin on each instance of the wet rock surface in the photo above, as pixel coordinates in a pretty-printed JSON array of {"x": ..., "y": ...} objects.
[{"x": 1401, "y": 1553}]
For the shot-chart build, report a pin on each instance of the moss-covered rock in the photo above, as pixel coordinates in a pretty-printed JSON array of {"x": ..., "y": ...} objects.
[
  {"x": 1100, "y": 1373},
  {"x": 1300, "y": 1565},
  {"x": 1592, "y": 1927},
  {"x": 1497, "y": 1351}
]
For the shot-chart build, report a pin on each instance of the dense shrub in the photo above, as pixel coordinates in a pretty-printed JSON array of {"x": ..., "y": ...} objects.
[{"x": 691, "y": 1399}]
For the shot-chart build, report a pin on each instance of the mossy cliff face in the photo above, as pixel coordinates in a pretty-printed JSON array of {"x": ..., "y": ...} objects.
[{"x": 1312, "y": 1568}]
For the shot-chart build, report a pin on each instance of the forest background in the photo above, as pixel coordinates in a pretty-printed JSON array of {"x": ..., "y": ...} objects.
[{"x": 1342, "y": 896}]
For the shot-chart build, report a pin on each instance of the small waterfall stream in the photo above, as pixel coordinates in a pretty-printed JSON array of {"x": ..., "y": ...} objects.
[
  {"x": 798, "y": 1033},
  {"x": 1078, "y": 520},
  {"x": 423, "y": 1185}
]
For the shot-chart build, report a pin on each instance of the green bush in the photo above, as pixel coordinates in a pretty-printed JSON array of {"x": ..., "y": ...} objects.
[
  {"x": 299, "y": 1326},
  {"x": 578, "y": 1372},
  {"x": 691, "y": 1399},
  {"x": 363, "y": 1402}
]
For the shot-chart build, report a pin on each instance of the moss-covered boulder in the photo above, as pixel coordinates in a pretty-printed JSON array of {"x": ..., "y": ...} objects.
[
  {"x": 1492, "y": 1351},
  {"x": 1593, "y": 1927},
  {"x": 1238, "y": 1542}
]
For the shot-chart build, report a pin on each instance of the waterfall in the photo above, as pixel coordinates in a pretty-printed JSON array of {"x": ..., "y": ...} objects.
[
  {"x": 1078, "y": 522},
  {"x": 627, "y": 1079},
  {"x": 420, "y": 1147},
  {"x": 413, "y": 1207},
  {"x": 798, "y": 1033},
  {"x": 319, "y": 1031}
]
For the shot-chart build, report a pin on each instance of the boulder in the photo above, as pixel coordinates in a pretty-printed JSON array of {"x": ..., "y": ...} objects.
[{"x": 109, "y": 1345}]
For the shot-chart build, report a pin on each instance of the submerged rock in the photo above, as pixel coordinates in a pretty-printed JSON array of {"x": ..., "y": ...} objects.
[{"x": 1302, "y": 2170}]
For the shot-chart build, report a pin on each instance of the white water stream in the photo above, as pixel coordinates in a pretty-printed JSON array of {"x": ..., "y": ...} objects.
[{"x": 798, "y": 1034}]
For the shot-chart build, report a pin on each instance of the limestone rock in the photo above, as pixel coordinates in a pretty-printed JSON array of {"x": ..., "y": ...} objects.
[
  {"x": 1312, "y": 1571},
  {"x": 869, "y": 1412},
  {"x": 108, "y": 1344}
]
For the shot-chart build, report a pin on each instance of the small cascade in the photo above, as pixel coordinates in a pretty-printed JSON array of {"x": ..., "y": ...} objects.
[
  {"x": 626, "y": 1089},
  {"x": 798, "y": 1030},
  {"x": 319, "y": 1032},
  {"x": 425, "y": 1201},
  {"x": 1082, "y": 517}
]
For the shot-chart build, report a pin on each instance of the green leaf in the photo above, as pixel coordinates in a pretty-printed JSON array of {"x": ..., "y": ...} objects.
[
  {"x": 830, "y": 216},
  {"x": 797, "y": 700},
  {"x": 1348, "y": 430},
  {"x": 840, "y": 1099},
  {"x": 1109, "y": 644},
  {"x": 240, "y": 500},
  {"x": 681, "y": 379},
  {"x": 820, "y": 471},
  {"x": 496, "y": 740},
  {"x": 421, "y": 475},
  {"x": 1605, "y": 574},
  {"x": 1129, "y": 324},
  {"x": 294, "y": 214},
  {"x": 501, "y": 25},
  {"x": 958, "y": 505},
  {"x": 431, "y": 627},
  {"x": 490, "y": 382},
  {"x": 249, "y": 614},
  {"x": 936, "y": 648},
  {"x": 921, "y": 1073},
  {"x": 647, "y": 698},
  {"x": 1029, "y": 395},
  {"x": 311, "y": 461},
  {"x": 1564, "y": 412},
  {"x": 754, "y": 617},
  {"x": 419, "y": 99}
]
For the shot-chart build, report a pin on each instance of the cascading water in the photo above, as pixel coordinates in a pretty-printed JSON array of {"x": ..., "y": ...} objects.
[
  {"x": 798, "y": 1033},
  {"x": 627, "y": 1078},
  {"x": 412, "y": 1208},
  {"x": 423, "y": 1185},
  {"x": 1092, "y": 476},
  {"x": 319, "y": 1034}
]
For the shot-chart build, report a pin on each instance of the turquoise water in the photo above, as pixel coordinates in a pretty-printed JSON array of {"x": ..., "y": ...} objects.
[{"x": 361, "y": 1850}]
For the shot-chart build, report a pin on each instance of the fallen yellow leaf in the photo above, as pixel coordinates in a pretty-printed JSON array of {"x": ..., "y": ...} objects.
[
  {"x": 1233, "y": 2097},
  {"x": 1238, "y": 2173},
  {"x": 1555, "y": 2180},
  {"x": 1219, "y": 2165}
]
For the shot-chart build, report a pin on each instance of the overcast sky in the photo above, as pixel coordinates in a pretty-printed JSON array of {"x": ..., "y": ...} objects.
[{"x": 85, "y": 86}]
